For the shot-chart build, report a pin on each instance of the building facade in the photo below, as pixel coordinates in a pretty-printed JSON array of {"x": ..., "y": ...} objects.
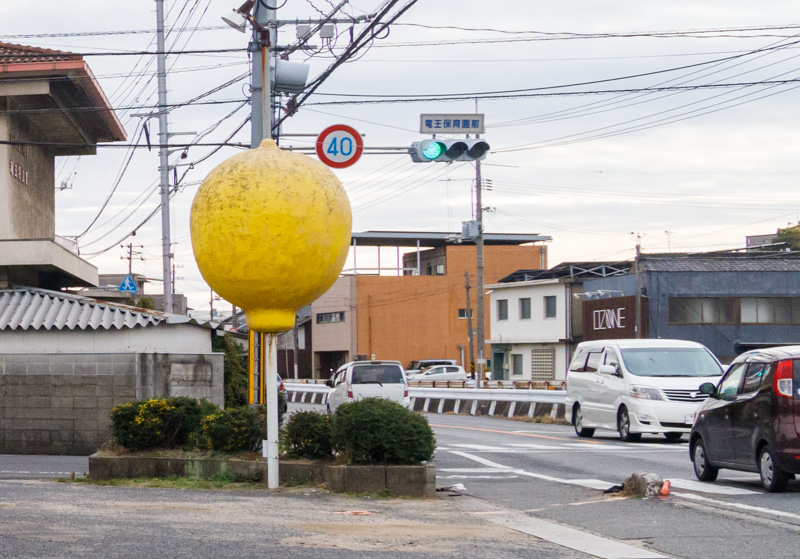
[
  {"x": 420, "y": 310},
  {"x": 729, "y": 302}
]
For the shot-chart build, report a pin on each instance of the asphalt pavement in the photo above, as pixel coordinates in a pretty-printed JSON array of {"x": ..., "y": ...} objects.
[{"x": 48, "y": 518}]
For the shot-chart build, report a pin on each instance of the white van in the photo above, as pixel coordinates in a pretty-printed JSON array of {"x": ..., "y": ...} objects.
[
  {"x": 368, "y": 379},
  {"x": 638, "y": 386}
]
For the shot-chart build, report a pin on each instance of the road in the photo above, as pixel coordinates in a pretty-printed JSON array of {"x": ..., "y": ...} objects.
[
  {"x": 547, "y": 472},
  {"x": 543, "y": 479}
]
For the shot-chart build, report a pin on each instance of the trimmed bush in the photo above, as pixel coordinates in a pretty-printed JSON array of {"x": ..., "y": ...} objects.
[
  {"x": 159, "y": 422},
  {"x": 379, "y": 431},
  {"x": 308, "y": 435},
  {"x": 234, "y": 429}
]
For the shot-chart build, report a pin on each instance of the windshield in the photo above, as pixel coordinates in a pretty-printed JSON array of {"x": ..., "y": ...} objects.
[
  {"x": 671, "y": 362},
  {"x": 366, "y": 374}
]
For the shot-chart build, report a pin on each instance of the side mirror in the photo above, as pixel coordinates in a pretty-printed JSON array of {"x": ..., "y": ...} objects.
[
  {"x": 329, "y": 383},
  {"x": 607, "y": 370},
  {"x": 708, "y": 388}
]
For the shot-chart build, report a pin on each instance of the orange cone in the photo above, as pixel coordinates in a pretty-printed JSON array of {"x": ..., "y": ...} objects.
[{"x": 665, "y": 489}]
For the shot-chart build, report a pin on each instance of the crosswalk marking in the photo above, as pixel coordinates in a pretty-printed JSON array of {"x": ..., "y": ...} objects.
[
  {"x": 491, "y": 467},
  {"x": 565, "y": 447}
]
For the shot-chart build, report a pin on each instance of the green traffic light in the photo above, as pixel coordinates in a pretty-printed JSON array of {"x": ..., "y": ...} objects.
[{"x": 433, "y": 150}]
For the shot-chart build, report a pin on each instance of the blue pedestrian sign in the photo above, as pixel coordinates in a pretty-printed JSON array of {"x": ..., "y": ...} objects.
[{"x": 128, "y": 285}]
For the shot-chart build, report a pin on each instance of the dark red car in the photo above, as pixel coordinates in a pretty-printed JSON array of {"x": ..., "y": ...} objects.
[{"x": 751, "y": 419}]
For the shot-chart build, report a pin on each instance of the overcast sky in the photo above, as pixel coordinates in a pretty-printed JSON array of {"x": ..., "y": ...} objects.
[{"x": 690, "y": 169}]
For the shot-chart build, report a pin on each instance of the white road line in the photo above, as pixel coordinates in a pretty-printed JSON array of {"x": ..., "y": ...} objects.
[
  {"x": 572, "y": 538},
  {"x": 702, "y": 487},
  {"x": 739, "y": 506},
  {"x": 480, "y": 447},
  {"x": 537, "y": 446}
]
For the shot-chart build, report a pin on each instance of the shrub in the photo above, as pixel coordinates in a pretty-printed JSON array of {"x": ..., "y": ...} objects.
[
  {"x": 375, "y": 430},
  {"x": 233, "y": 429},
  {"x": 308, "y": 435},
  {"x": 159, "y": 422}
]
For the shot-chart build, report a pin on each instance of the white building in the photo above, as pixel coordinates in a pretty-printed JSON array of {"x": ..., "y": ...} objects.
[{"x": 537, "y": 320}]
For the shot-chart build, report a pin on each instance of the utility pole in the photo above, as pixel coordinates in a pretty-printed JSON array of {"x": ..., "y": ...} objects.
[
  {"x": 265, "y": 37},
  {"x": 163, "y": 154},
  {"x": 479, "y": 300},
  {"x": 470, "y": 333},
  {"x": 638, "y": 311},
  {"x": 211, "y": 306}
]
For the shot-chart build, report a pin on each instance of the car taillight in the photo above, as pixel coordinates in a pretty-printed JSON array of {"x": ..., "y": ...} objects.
[
  {"x": 349, "y": 391},
  {"x": 405, "y": 392},
  {"x": 784, "y": 371}
]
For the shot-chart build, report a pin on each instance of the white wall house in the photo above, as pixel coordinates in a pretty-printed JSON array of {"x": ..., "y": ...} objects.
[{"x": 530, "y": 329}]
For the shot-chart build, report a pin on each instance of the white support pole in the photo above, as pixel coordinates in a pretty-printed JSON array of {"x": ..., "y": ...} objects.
[{"x": 270, "y": 446}]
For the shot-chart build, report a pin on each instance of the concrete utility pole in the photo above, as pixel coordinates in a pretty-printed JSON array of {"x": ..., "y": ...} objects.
[
  {"x": 470, "y": 333},
  {"x": 265, "y": 36},
  {"x": 479, "y": 300},
  {"x": 638, "y": 308},
  {"x": 163, "y": 154}
]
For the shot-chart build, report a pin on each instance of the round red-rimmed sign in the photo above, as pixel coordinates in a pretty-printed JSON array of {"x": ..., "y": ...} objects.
[{"x": 339, "y": 146}]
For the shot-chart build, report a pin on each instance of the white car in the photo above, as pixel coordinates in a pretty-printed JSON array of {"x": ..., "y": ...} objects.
[
  {"x": 416, "y": 366},
  {"x": 638, "y": 386},
  {"x": 368, "y": 379},
  {"x": 440, "y": 372}
]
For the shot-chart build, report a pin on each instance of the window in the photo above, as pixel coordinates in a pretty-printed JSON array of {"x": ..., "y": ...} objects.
[
  {"x": 593, "y": 362},
  {"x": 516, "y": 364},
  {"x": 767, "y": 310},
  {"x": 462, "y": 313},
  {"x": 730, "y": 384},
  {"x": 377, "y": 374},
  {"x": 543, "y": 364},
  {"x": 502, "y": 309},
  {"x": 752, "y": 379},
  {"x": 328, "y": 317},
  {"x": 525, "y": 308},
  {"x": 579, "y": 361},
  {"x": 550, "y": 306},
  {"x": 702, "y": 310}
]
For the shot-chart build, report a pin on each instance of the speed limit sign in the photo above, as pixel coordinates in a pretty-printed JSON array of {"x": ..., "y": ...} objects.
[{"x": 339, "y": 146}]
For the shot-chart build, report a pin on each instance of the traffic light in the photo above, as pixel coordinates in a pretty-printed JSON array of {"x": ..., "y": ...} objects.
[{"x": 448, "y": 150}]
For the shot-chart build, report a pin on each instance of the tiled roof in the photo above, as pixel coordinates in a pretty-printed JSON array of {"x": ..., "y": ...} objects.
[
  {"x": 17, "y": 54},
  {"x": 788, "y": 262},
  {"x": 38, "y": 309}
]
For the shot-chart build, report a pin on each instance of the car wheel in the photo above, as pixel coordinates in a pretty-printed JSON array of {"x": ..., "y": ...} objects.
[
  {"x": 624, "y": 427},
  {"x": 772, "y": 478},
  {"x": 673, "y": 436},
  {"x": 702, "y": 468},
  {"x": 577, "y": 421}
]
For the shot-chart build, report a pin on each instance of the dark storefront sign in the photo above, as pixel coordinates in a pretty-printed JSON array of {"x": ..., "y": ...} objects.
[{"x": 613, "y": 318}]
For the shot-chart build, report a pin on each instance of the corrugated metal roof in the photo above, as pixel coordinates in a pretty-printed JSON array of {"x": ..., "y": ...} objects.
[
  {"x": 39, "y": 309},
  {"x": 784, "y": 263}
]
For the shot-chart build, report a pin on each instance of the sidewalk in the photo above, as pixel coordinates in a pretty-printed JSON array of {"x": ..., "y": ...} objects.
[{"x": 52, "y": 519}]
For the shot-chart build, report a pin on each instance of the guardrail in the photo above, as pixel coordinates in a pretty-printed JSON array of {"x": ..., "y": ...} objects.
[
  {"x": 487, "y": 384},
  {"x": 481, "y": 401}
]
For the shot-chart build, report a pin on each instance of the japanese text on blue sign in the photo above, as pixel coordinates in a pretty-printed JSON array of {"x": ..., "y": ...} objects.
[{"x": 451, "y": 124}]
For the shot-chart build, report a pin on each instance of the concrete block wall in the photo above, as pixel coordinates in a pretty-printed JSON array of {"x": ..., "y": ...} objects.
[{"x": 61, "y": 403}]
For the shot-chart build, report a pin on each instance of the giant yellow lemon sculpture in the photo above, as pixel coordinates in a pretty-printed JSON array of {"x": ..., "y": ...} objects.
[{"x": 270, "y": 232}]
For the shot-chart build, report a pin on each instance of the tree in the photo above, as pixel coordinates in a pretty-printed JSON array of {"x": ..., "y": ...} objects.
[
  {"x": 235, "y": 369},
  {"x": 790, "y": 236}
]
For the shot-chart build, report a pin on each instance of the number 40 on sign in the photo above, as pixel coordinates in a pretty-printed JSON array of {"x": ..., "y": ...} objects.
[{"x": 339, "y": 146}]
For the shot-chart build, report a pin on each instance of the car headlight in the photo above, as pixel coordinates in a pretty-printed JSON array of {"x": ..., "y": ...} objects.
[{"x": 646, "y": 392}]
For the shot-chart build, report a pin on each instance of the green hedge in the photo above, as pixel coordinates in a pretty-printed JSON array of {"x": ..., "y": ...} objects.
[
  {"x": 379, "y": 431},
  {"x": 159, "y": 422},
  {"x": 187, "y": 423},
  {"x": 308, "y": 435}
]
